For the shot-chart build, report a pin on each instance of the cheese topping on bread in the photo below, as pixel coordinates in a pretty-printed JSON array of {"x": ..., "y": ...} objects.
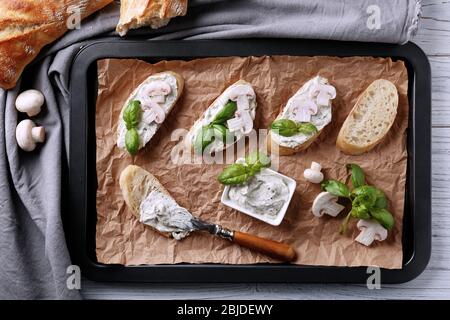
[
  {"x": 242, "y": 121},
  {"x": 165, "y": 215},
  {"x": 312, "y": 103},
  {"x": 157, "y": 97}
]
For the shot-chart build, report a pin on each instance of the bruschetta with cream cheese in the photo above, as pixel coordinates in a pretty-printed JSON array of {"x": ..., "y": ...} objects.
[
  {"x": 303, "y": 118},
  {"x": 228, "y": 119},
  {"x": 146, "y": 109}
]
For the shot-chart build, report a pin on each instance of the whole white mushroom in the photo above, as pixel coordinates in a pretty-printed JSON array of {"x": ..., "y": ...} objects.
[
  {"x": 28, "y": 135},
  {"x": 314, "y": 174},
  {"x": 30, "y": 102}
]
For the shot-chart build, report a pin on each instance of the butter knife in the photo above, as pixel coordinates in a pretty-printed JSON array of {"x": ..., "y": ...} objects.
[{"x": 271, "y": 248}]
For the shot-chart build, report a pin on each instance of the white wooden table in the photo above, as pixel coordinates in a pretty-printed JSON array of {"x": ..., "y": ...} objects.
[{"x": 433, "y": 283}]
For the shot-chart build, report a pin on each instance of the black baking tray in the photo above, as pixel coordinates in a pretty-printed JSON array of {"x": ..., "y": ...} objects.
[{"x": 80, "y": 222}]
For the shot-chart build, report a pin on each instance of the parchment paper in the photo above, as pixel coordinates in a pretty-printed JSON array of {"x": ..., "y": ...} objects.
[{"x": 122, "y": 239}]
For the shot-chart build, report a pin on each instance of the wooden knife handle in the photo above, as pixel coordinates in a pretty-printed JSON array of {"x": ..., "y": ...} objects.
[{"x": 274, "y": 249}]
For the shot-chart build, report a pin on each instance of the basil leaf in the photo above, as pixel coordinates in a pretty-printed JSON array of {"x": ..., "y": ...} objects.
[
  {"x": 366, "y": 195},
  {"x": 132, "y": 114},
  {"x": 220, "y": 132},
  {"x": 284, "y": 127},
  {"x": 306, "y": 128},
  {"x": 258, "y": 158},
  {"x": 358, "y": 177},
  {"x": 381, "y": 201},
  {"x": 234, "y": 174},
  {"x": 226, "y": 113},
  {"x": 360, "y": 212},
  {"x": 383, "y": 217},
  {"x": 203, "y": 139},
  {"x": 132, "y": 141},
  {"x": 336, "y": 188}
]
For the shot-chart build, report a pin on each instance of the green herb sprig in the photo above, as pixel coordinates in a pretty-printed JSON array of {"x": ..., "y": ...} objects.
[
  {"x": 217, "y": 129},
  {"x": 239, "y": 173},
  {"x": 368, "y": 202},
  {"x": 288, "y": 128},
  {"x": 132, "y": 117}
]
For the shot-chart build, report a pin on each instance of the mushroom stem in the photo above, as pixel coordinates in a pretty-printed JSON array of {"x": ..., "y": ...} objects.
[
  {"x": 38, "y": 134},
  {"x": 366, "y": 237},
  {"x": 316, "y": 166}
]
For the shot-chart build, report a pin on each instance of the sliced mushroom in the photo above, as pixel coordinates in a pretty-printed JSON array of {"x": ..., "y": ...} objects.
[
  {"x": 313, "y": 174},
  {"x": 153, "y": 112},
  {"x": 370, "y": 231},
  {"x": 243, "y": 120},
  {"x": 326, "y": 203},
  {"x": 324, "y": 93},
  {"x": 27, "y": 135},
  {"x": 242, "y": 94},
  {"x": 303, "y": 109},
  {"x": 235, "y": 124},
  {"x": 30, "y": 102},
  {"x": 157, "y": 91}
]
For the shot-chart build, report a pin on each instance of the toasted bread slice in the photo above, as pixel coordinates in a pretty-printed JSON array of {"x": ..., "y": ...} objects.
[
  {"x": 288, "y": 146},
  {"x": 147, "y": 131},
  {"x": 136, "y": 184},
  {"x": 370, "y": 119},
  {"x": 215, "y": 107}
]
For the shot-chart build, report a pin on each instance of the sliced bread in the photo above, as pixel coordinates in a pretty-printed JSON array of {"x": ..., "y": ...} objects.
[
  {"x": 136, "y": 184},
  {"x": 370, "y": 119},
  {"x": 145, "y": 130},
  {"x": 215, "y": 107},
  {"x": 316, "y": 92}
]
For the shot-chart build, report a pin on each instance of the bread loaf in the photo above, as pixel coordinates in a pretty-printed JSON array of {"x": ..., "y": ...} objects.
[
  {"x": 154, "y": 13},
  {"x": 26, "y": 26}
]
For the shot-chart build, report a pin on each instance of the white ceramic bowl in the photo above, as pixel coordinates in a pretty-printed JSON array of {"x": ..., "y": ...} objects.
[{"x": 291, "y": 183}]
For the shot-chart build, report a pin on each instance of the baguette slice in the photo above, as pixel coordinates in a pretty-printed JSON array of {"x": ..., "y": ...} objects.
[
  {"x": 147, "y": 131},
  {"x": 190, "y": 137},
  {"x": 136, "y": 184},
  {"x": 322, "y": 119},
  {"x": 370, "y": 119}
]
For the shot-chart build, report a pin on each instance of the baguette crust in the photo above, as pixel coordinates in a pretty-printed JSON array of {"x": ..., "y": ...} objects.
[
  {"x": 180, "y": 88},
  {"x": 154, "y": 13},
  {"x": 191, "y": 131},
  {"x": 387, "y": 87},
  {"x": 136, "y": 184},
  {"x": 26, "y": 26}
]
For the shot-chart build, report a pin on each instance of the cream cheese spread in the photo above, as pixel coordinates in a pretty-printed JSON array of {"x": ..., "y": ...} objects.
[
  {"x": 165, "y": 215},
  {"x": 265, "y": 194},
  {"x": 310, "y": 90},
  {"x": 147, "y": 130}
]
